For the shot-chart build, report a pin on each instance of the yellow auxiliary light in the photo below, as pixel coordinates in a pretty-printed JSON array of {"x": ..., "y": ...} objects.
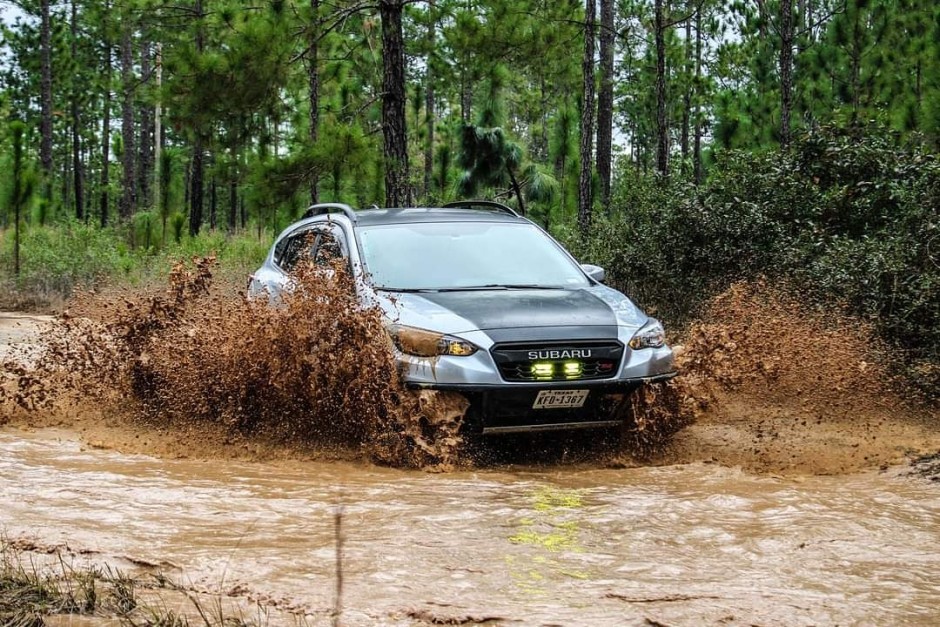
[
  {"x": 543, "y": 370},
  {"x": 572, "y": 369}
]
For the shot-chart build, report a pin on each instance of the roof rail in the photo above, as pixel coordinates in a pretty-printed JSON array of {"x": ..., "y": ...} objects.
[
  {"x": 327, "y": 207},
  {"x": 485, "y": 204}
]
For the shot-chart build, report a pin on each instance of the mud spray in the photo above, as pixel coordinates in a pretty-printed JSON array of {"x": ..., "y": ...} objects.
[{"x": 204, "y": 362}]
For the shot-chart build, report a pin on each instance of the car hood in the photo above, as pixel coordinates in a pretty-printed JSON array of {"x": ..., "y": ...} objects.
[{"x": 490, "y": 310}]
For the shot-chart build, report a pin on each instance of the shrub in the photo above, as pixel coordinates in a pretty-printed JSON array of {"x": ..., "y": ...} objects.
[{"x": 847, "y": 215}]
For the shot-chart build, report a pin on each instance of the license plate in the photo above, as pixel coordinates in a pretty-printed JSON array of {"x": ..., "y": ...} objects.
[{"x": 558, "y": 399}]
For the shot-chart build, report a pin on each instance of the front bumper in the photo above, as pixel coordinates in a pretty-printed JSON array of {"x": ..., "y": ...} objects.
[
  {"x": 508, "y": 408},
  {"x": 500, "y": 406}
]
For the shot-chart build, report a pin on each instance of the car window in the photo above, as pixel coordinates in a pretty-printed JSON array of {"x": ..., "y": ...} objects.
[
  {"x": 327, "y": 250},
  {"x": 298, "y": 246},
  {"x": 321, "y": 244},
  {"x": 440, "y": 255}
]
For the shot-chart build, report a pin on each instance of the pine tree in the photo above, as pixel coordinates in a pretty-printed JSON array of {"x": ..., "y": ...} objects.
[
  {"x": 605, "y": 102},
  {"x": 585, "y": 190},
  {"x": 398, "y": 189}
]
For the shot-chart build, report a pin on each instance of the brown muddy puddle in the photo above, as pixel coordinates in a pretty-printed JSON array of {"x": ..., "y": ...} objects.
[{"x": 675, "y": 545}]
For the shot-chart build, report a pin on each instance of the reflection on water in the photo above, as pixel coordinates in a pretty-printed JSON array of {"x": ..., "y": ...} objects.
[{"x": 689, "y": 545}]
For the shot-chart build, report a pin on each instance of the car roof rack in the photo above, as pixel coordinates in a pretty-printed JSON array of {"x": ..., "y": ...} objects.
[
  {"x": 484, "y": 204},
  {"x": 329, "y": 207}
]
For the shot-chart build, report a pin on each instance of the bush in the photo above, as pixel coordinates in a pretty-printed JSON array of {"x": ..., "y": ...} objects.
[
  {"x": 846, "y": 215},
  {"x": 59, "y": 258}
]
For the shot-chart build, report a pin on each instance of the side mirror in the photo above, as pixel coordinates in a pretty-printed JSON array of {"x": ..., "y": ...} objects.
[{"x": 595, "y": 272}]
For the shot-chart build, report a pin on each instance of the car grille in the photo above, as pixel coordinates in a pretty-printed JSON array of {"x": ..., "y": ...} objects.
[{"x": 558, "y": 361}]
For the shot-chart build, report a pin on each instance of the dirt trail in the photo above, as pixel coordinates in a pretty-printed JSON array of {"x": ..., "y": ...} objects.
[
  {"x": 693, "y": 544},
  {"x": 755, "y": 425},
  {"x": 734, "y": 523}
]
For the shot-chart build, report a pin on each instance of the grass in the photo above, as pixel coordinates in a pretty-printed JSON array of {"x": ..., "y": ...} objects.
[
  {"x": 36, "y": 586},
  {"x": 57, "y": 259}
]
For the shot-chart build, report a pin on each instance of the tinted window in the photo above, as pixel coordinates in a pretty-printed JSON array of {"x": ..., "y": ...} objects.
[
  {"x": 320, "y": 246},
  {"x": 465, "y": 254},
  {"x": 298, "y": 246}
]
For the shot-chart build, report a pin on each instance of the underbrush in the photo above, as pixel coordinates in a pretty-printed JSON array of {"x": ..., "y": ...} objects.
[
  {"x": 847, "y": 218},
  {"x": 56, "y": 260}
]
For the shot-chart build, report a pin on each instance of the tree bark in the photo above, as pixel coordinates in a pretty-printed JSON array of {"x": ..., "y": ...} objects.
[
  {"x": 196, "y": 174},
  {"x": 145, "y": 147},
  {"x": 196, "y": 184},
  {"x": 605, "y": 103},
  {"x": 697, "y": 140},
  {"x": 687, "y": 96},
  {"x": 128, "y": 180},
  {"x": 429, "y": 103},
  {"x": 77, "y": 168},
  {"x": 232, "y": 200},
  {"x": 313, "y": 86},
  {"x": 159, "y": 189},
  {"x": 213, "y": 203},
  {"x": 45, "y": 82},
  {"x": 19, "y": 192},
  {"x": 398, "y": 192},
  {"x": 662, "y": 129},
  {"x": 105, "y": 200},
  {"x": 585, "y": 197},
  {"x": 786, "y": 70}
]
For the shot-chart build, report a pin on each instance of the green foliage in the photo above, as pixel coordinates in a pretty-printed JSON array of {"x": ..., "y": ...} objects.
[
  {"x": 849, "y": 216},
  {"x": 58, "y": 259}
]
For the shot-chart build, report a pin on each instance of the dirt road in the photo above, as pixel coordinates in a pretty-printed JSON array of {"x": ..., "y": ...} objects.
[{"x": 750, "y": 520}]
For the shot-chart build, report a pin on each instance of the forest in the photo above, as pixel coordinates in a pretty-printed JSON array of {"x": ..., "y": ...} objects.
[{"x": 684, "y": 144}]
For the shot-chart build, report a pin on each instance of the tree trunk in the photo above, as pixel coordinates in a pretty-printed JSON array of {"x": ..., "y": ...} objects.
[
  {"x": 128, "y": 180},
  {"x": 77, "y": 169},
  {"x": 517, "y": 190},
  {"x": 466, "y": 99},
  {"x": 45, "y": 82},
  {"x": 196, "y": 175},
  {"x": 429, "y": 104},
  {"x": 697, "y": 140},
  {"x": 786, "y": 70},
  {"x": 145, "y": 149},
  {"x": 605, "y": 103},
  {"x": 104, "y": 201},
  {"x": 19, "y": 193},
  {"x": 195, "y": 192},
  {"x": 313, "y": 80},
  {"x": 213, "y": 203},
  {"x": 687, "y": 96},
  {"x": 398, "y": 192},
  {"x": 662, "y": 130},
  {"x": 585, "y": 199},
  {"x": 159, "y": 189},
  {"x": 232, "y": 199}
]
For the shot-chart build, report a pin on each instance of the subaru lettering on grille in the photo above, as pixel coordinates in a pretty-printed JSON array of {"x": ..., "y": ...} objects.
[{"x": 565, "y": 353}]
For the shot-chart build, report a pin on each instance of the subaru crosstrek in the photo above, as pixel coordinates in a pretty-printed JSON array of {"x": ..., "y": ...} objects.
[{"x": 481, "y": 301}]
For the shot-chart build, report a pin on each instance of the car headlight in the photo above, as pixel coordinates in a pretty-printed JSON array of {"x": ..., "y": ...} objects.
[
  {"x": 650, "y": 335},
  {"x": 424, "y": 343}
]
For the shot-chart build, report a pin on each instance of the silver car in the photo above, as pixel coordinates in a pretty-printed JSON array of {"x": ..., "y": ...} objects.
[{"x": 481, "y": 301}]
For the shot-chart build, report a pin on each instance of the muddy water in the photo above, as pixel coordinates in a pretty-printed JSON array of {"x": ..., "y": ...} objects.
[{"x": 689, "y": 545}]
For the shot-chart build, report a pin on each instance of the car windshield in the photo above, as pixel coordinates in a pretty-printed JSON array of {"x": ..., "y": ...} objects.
[{"x": 465, "y": 255}]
